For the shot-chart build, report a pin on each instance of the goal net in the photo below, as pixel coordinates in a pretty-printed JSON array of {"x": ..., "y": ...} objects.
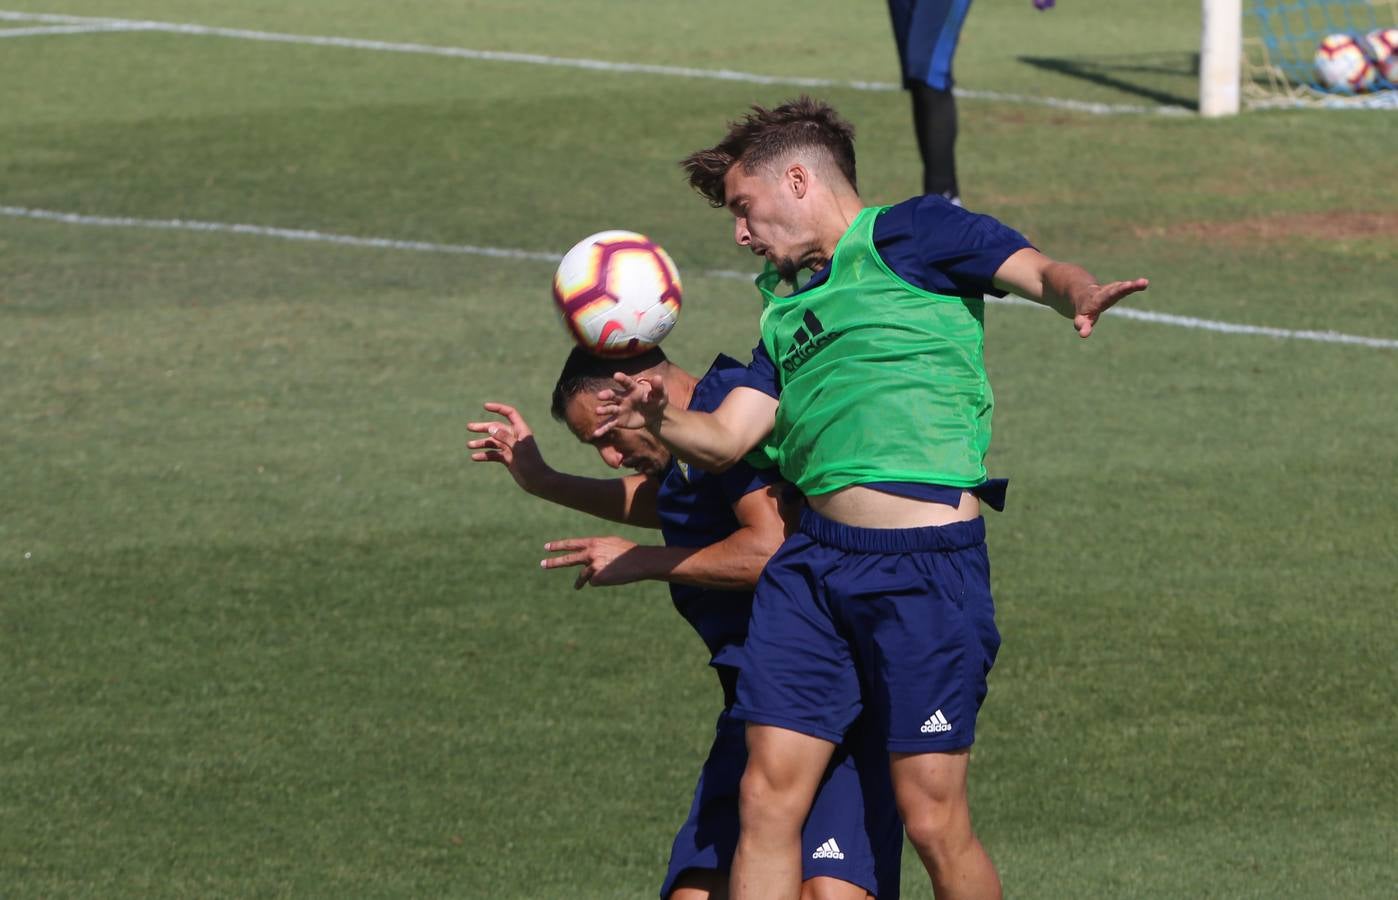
[{"x": 1280, "y": 39}]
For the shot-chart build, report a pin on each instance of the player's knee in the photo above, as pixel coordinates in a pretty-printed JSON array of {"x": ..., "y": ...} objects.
[
  {"x": 939, "y": 829},
  {"x": 767, "y": 800}
]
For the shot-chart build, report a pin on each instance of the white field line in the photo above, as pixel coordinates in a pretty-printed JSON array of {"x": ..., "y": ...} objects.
[
  {"x": 66, "y": 29},
  {"x": 577, "y": 63},
  {"x": 298, "y": 234}
]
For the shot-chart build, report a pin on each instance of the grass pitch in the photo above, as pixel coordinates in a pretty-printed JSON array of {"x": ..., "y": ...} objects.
[{"x": 265, "y": 631}]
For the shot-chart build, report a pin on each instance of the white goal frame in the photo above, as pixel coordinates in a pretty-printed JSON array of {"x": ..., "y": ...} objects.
[{"x": 1221, "y": 58}]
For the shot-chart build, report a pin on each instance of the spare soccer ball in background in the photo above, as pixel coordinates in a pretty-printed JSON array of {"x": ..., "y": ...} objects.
[
  {"x": 618, "y": 292},
  {"x": 1383, "y": 50},
  {"x": 1342, "y": 65}
]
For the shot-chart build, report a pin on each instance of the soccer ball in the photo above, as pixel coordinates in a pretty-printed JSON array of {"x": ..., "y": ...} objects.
[
  {"x": 1341, "y": 64},
  {"x": 1383, "y": 50},
  {"x": 618, "y": 293}
]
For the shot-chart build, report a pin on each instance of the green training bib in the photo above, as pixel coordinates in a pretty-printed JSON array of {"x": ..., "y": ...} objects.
[{"x": 880, "y": 380}]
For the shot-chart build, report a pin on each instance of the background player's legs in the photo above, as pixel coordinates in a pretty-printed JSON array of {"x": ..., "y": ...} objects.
[
  {"x": 779, "y": 784},
  {"x": 934, "y": 120},
  {"x": 931, "y": 792},
  {"x": 927, "y": 32}
]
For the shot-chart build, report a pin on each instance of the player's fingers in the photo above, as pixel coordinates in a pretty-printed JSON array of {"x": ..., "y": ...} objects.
[
  {"x": 520, "y": 426},
  {"x": 489, "y": 456},
  {"x": 604, "y": 428},
  {"x": 503, "y": 409},
  {"x": 583, "y": 578},
  {"x": 559, "y": 562},
  {"x": 501, "y": 434},
  {"x": 567, "y": 544}
]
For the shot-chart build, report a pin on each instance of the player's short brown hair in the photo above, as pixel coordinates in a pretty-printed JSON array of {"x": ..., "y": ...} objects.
[
  {"x": 585, "y": 372},
  {"x": 765, "y": 135}
]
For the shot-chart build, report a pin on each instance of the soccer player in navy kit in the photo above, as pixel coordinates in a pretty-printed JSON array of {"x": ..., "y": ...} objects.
[
  {"x": 719, "y": 531},
  {"x": 927, "y": 32},
  {"x": 876, "y": 404}
]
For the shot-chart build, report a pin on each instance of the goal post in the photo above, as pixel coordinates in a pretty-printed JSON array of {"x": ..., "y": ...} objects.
[{"x": 1221, "y": 58}]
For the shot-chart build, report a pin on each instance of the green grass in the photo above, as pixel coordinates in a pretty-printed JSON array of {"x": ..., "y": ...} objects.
[{"x": 265, "y": 631}]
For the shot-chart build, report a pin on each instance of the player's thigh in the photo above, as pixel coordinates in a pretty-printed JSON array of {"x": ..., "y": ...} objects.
[
  {"x": 785, "y": 758},
  {"x": 931, "y": 789},
  {"x": 783, "y": 772},
  {"x": 700, "y": 884},
  {"x": 825, "y": 888}
]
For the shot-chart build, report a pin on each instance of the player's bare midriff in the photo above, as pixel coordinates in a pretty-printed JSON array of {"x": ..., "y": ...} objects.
[{"x": 867, "y": 508}]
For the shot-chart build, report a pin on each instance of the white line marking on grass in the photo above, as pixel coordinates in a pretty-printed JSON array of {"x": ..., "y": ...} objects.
[
  {"x": 66, "y": 29},
  {"x": 578, "y": 63},
  {"x": 300, "y": 234},
  {"x": 287, "y": 234},
  {"x": 1145, "y": 315}
]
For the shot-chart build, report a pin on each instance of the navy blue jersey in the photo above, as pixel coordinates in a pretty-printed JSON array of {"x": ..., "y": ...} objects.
[
  {"x": 696, "y": 509},
  {"x": 935, "y": 245}
]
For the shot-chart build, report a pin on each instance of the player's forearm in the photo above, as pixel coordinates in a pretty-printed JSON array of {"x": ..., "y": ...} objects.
[
  {"x": 614, "y": 499},
  {"x": 699, "y": 438},
  {"x": 1062, "y": 285},
  {"x": 729, "y": 565}
]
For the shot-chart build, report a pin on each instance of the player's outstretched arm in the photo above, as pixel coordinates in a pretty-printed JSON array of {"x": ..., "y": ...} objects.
[
  {"x": 511, "y": 443},
  {"x": 732, "y": 564},
  {"x": 1069, "y": 289},
  {"x": 713, "y": 441}
]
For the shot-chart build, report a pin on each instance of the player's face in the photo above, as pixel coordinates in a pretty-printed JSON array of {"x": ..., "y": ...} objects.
[
  {"x": 635, "y": 449},
  {"x": 767, "y": 217}
]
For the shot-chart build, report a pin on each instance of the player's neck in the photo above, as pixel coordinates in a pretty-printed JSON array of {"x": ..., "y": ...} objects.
[{"x": 843, "y": 208}]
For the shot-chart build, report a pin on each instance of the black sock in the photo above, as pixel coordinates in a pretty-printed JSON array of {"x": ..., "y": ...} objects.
[{"x": 934, "y": 119}]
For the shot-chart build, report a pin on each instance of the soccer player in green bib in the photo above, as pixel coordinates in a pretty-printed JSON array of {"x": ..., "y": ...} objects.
[{"x": 869, "y": 390}]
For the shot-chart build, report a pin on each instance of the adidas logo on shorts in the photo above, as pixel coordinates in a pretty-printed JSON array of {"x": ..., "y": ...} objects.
[
  {"x": 828, "y": 850},
  {"x": 936, "y": 723}
]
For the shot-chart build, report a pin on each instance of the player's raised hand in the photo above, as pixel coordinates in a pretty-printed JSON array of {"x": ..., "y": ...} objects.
[
  {"x": 636, "y": 403},
  {"x": 510, "y": 443},
  {"x": 1100, "y": 298},
  {"x": 605, "y": 561}
]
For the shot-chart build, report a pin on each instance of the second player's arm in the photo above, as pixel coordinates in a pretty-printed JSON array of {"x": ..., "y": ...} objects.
[
  {"x": 511, "y": 443},
  {"x": 712, "y": 441},
  {"x": 732, "y": 564}
]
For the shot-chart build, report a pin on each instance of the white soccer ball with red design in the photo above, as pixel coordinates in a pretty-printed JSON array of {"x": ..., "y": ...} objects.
[
  {"x": 1341, "y": 64},
  {"x": 1383, "y": 50},
  {"x": 618, "y": 292}
]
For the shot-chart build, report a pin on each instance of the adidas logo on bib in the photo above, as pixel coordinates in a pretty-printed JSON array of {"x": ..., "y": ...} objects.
[
  {"x": 828, "y": 850},
  {"x": 936, "y": 723}
]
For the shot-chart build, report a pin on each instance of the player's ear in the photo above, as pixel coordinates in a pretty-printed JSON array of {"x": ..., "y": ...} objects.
[{"x": 798, "y": 180}]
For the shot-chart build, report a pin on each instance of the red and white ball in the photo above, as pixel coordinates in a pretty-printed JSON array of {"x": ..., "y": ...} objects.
[
  {"x": 1342, "y": 64},
  {"x": 618, "y": 292},
  {"x": 1383, "y": 50}
]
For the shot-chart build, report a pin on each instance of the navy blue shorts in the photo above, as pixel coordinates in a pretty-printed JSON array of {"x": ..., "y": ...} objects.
[
  {"x": 853, "y": 832},
  {"x": 895, "y": 624},
  {"x": 927, "y": 32}
]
